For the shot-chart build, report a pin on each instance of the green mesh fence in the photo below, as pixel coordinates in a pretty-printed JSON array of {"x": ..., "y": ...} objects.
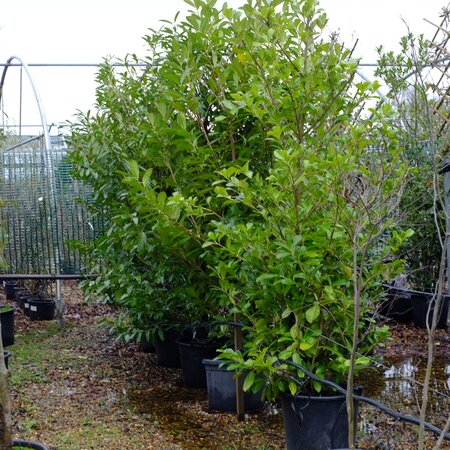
[{"x": 42, "y": 209}]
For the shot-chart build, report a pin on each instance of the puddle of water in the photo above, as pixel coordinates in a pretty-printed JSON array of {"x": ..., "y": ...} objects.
[{"x": 398, "y": 384}]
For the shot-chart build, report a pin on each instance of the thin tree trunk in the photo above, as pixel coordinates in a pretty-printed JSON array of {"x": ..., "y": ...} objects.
[
  {"x": 440, "y": 441},
  {"x": 351, "y": 371},
  {"x": 431, "y": 335}
]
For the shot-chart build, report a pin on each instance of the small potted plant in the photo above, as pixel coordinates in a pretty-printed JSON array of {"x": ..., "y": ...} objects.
[{"x": 41, "y": 303}]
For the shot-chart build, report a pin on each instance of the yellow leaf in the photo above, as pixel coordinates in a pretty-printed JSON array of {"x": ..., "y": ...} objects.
[
  {"x": 242, "y": 58},
  {"x": 306, "y": 345}
]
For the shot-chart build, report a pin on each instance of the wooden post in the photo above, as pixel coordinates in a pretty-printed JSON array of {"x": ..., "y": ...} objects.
[
  {"x": 59, "y": 306},
  {"x": 240, "y": 407}
]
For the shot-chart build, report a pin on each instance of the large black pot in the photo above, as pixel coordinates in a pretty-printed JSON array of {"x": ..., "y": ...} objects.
[
  {"x": 316, "y": 422},
  {"x": 41, "y": 309},
  {"x": 191, "y": 356},
  {"x": 167, "y": 353},
  {"x": 221, "y": 386},
  {"x": 397, "y": 305},
  {"x": 420, "y": 302},
  {"x": 7, "y": 322},
  {"x": 28, "y": 445}
]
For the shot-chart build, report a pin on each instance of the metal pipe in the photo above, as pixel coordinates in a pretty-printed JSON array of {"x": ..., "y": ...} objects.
[
  {"x": 35, "y": 92},
  {"x": 44, "y": 276}
]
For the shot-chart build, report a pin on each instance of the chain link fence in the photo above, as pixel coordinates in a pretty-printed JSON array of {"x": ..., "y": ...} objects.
[{"x": 43, "y": 209}]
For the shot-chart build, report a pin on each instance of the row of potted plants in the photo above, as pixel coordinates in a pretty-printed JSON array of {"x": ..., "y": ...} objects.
[
  {"x": 407, "y": 306},
  {"x": 195, "y": 352},
  {"x": 239, "y": 178},
  {"x": 33, "y": 296}
]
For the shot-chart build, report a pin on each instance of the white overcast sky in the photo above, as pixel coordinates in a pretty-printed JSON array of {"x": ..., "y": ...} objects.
[{"x": 85, "y": 31}]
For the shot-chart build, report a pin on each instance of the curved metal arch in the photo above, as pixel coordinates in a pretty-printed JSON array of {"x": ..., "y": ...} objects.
[
  {"x": 35, "y": 92},
  {"x": 37, "y": 96},
  {"x": 46, "y": 134}
]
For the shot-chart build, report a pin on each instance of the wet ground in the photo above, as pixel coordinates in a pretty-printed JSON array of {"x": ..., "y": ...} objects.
[{"x": 397, "y": 382}]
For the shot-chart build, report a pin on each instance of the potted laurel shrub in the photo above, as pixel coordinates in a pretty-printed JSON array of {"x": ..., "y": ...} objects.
[
  {"x": 295, "y": 288},
  {"x": 153, "y": 268},
  {"x": 301, "y": 252}
]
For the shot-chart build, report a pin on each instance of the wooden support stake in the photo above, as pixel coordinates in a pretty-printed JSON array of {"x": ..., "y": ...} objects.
[
  {"x": 59, "y": 306},
  {"x": 240, "y": 407}
]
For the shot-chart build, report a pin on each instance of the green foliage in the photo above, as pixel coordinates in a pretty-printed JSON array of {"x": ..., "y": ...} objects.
[
  {"x": 292, "y": 261},
  {"x": 239, "y": 172}
]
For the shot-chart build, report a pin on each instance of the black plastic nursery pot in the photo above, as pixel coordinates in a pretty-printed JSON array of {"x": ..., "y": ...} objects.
[
  {"x": 315, "y": 422},
  {"x": 7, "y": 322},
  {"x": 21, "y": 444},
  {"x": 167, "y": 353},
  {"x": 420, "y": 302},
  {"x": 147, "y": 346},
  {"x": 41, "y": 309},
  {"x": 22, "y": 298},
  {"x": 221, "y": 386},
  {"x": 191, "y": 356},
  {"x": 397, "y": 305},
  {"x": 10, "y": 289}
]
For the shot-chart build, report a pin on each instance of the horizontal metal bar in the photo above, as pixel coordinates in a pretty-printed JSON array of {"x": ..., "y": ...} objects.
[
  {"x": 361, "y": 64},
  {"x": 7, "y": 125},
  {"x": 42, "y": 276},
  {"x": 27, "y": 141},
  {"x": 73, "y": 64}
]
